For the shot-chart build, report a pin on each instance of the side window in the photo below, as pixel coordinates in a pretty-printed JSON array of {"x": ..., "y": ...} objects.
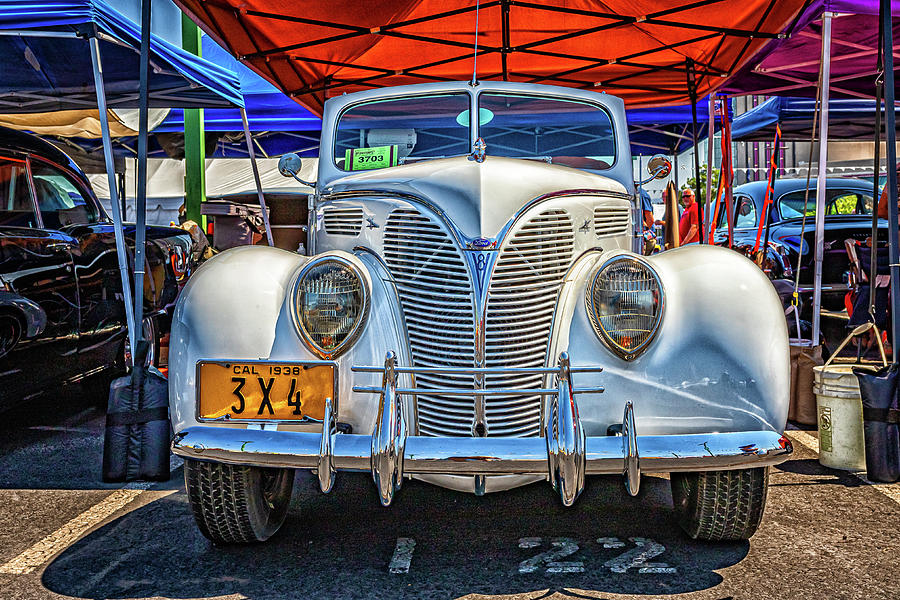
[
  {"x": 16, "y": 209},
  {"x": 745, "y": 212},
  {"x": 60, "y": 201}
]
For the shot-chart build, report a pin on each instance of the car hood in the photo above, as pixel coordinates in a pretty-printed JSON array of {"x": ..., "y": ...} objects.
[{"x": 480, "y": 198}]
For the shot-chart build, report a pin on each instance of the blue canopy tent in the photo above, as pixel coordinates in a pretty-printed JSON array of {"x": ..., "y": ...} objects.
[
  {"x": 76, "y": 54},
  {"x": 48, "y": 65},
  {"x": 664, "y": 130},
  {"x": 847, "y": 120}
]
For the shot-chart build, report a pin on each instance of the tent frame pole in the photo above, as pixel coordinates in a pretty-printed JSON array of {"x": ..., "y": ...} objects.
[
  {"x": 710, "y": 148},
  {"x": 890, "y": 124},
  {"x": 140, "y": 209},
  {"x": 821, "y": 178},
  {"x": 256, "y": 179},
  {"x": 692, "y": 91},
  {"x": 121, "y": 249},
  {"x": 879, "y": 93}
]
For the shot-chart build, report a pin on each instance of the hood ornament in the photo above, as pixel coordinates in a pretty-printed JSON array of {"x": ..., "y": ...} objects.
[{"x": 479, "y": 148}]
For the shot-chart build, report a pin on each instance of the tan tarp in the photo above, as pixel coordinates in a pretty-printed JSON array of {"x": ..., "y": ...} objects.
[{"x": 81, "y": 123}]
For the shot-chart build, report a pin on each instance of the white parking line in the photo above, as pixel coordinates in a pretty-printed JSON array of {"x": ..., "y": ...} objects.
[
  {"x": 66, "y": 535},
  {"x": 891, "y": 490},
  {"x": 402, "y": 555}
]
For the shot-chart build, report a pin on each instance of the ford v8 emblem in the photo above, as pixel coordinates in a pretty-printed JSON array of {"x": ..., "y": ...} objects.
[{"x": 481, "y": 244}]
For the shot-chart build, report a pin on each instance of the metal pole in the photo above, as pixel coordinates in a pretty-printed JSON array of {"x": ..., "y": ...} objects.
[
  {"x": 820, "y": 179},
  {"x": 879, "y": 93},
  {"x": 711, "y": 130},
  {"x": 113, "y": 196},
  {"x": 890, "y": 124},
  {"x": 692, "y": 90},
  {"x": 259, "y": 192},
  {"x": 140, "y": 209}
]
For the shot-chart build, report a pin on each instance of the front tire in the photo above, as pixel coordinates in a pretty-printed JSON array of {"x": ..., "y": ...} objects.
[
  {"x": 235, "y": 504},
  {"x": 720, "y": 505}
]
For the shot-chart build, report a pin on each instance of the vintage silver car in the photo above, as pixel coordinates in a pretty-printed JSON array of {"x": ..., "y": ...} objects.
[{"x": 472, "y": 316}]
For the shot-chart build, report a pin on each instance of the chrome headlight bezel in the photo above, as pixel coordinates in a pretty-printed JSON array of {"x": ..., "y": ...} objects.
[
  {"x": 355, "y": 332},
  {"x": 606, "y": 338}
]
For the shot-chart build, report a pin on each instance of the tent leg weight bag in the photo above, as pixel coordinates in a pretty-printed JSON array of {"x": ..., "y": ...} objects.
[
  {"x": 236, "y": 504},
  {"x": 720, "y": 506},
  {"x": 136, "y": 444},
  {"x": 880, "y": 422}
]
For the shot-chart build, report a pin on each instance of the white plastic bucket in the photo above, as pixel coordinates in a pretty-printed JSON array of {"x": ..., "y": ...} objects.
[{"x": 839, "y": 410}]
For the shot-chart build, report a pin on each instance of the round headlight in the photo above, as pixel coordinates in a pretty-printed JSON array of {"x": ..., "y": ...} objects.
[
  {"x": 625, "y": 303},
  {"x": 331, "y": 300}
]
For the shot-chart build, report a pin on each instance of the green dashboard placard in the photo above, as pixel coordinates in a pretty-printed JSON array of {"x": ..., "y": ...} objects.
[{"x": 362, "y": 159}]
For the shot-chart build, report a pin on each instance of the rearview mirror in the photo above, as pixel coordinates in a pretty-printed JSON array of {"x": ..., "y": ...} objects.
[
  {"x": 289, "y": 165},
  {"x": 659, "y": 166}
]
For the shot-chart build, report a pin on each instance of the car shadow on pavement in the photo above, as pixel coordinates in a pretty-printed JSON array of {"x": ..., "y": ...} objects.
[{"x": 341, "y": 544}]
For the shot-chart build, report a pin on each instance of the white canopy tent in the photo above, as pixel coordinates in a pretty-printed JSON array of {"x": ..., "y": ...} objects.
[{"x": 224, "y": 176}]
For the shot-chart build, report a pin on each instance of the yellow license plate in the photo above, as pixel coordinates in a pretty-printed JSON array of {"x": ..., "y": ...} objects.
[{"x": 263, "y": 390}]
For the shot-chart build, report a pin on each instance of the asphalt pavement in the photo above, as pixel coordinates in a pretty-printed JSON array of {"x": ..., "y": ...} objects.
[{"x": 64, "y": 534}]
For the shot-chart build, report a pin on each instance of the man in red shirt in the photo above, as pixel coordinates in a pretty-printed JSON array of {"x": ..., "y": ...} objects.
[{"x": 688, "y": 226}]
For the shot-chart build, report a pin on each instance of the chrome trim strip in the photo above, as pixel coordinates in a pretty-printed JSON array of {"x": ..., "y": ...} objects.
[
  {"x": 477, "y": 392},
  {"x": 473, "y": 370}
]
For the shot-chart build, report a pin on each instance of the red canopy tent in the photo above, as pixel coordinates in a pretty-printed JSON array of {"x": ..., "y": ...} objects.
[{"x": 649, "y": 52}]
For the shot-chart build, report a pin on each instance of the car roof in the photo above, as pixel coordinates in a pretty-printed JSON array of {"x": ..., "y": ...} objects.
[
  {"x": 12, "y": 140},
  {"x": 783, "y": 186}
]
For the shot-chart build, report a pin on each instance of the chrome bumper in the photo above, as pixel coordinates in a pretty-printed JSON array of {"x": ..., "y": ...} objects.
[{"x": 564, "y": 454}]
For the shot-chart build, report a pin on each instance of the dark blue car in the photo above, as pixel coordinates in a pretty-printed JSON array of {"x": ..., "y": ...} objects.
[{"x": 848, "y": 215}]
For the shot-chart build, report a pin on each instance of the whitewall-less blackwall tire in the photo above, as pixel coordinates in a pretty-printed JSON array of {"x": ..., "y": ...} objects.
[
  {"x": 236, "y": 504},
  {"x": 720, "y": 505}
]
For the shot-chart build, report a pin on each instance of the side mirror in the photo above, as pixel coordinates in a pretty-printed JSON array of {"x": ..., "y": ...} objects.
[
  {"x": 289, "y": 165},
  {"x": 659, "y": 166}
]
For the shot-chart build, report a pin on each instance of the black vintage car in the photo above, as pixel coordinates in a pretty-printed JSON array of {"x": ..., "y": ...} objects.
[
  {"x": 62, "y": 317},
  {"x": 848, "y": 215}
]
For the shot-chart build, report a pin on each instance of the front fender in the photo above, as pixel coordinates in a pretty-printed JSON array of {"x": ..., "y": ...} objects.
[
  {"x": 719, "y": 361},
  {"x": 237, "y": 306}
]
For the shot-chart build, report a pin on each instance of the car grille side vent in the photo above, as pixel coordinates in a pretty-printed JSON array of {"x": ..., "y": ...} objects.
[
  {"x": 340, "y": 220},
  {"x": 611, "y": 220}
]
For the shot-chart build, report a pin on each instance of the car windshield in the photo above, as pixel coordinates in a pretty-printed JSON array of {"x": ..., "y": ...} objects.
[
  {"x": 837, "y": 202},
  {"x": 555, "y": 130},
  {"x": 394, "y": 131}
]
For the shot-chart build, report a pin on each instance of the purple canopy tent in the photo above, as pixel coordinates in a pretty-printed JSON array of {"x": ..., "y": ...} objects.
[
  {"x": 790, "y": 66},
  {"x": 842, "y": 37}
]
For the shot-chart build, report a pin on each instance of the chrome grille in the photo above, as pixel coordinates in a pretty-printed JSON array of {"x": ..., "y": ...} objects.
[
  {"x": 436, "y": 296},
  {"x": 611, "y": 220},
  {"x": 342, "y": 220},
  {"x": 523, "y": 293}
]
